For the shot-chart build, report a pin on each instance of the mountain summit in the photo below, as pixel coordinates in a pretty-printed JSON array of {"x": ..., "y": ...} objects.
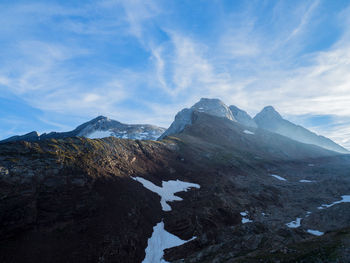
[
  {"x": 214, "y": 107},
  {"x": 269, "y": 119},
  {"x": 242, "y": 117}
]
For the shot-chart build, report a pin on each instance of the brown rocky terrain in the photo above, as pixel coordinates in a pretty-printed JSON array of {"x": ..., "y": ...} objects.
[{"x": 72, "y": 200}]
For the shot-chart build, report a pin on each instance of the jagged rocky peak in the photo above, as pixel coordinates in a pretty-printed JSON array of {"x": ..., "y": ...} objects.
[
  {"x": 214, "y": 107},
  {"x": 183, "y": 118},
  {"x": 242, "y": 117}
]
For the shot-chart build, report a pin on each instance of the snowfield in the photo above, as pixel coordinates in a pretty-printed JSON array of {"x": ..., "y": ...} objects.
[
  {"x": 245, "y": 218},
  {"x": 160, "y": 240},
  {"x": 315, "y": 232},
  {"x": 278, "y": 177},
  {"x": 305, "y": 181},
  {"x": 248, "y": 132},
  {"x": 294, "y": 224},
  {"x": 345, "y": 199},
  {"x": 99, "y": 134},
  {"x": 167, "y": 191}
]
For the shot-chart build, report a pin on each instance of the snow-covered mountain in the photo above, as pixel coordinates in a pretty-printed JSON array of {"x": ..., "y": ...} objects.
[
  {"x": 269, "y": 119},
  {"x": 214, "y": 107},
  {"x": 99, "y": 127}
]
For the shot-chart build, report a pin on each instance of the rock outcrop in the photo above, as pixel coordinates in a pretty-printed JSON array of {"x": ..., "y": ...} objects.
[{"x": 242, "y": 117}]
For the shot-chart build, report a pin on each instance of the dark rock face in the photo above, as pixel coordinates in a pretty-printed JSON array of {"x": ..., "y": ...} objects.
[
  {"x": 72, "y": 199},
  {"x": 98, "y": 128},
  {"x": 269, "y": 119}
]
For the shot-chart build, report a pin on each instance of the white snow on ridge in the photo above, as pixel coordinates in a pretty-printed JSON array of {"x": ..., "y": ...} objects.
[
  {"x": 294, "y": 224},
  {"x": 278, "y": 177},
  {"x": 99, "y": 134},
  {"x": 345, "y": 199},
  {"x": 248, "y": 132},
  {"x": 160, "y": 240},
  {"x": 315, "y": 232},
  {"x": 305, "y": 181},
  {"x": 167, "y": 191}
]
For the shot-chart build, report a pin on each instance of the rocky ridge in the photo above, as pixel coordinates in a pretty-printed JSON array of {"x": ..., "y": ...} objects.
[
  {"x": 269, "y": 119},
  {"x": 99, "y": 127}
]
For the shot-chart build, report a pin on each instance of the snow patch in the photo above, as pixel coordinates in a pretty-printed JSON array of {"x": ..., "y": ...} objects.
[
  {"x": 99, "y": 134},
  {"x": 167, "y": 191},
  {"x": 278, "y": 177},
  {"x": 315, "y": 232},
  {"x": 294, "y": 224},
  {"x": 245, "y": 218},
  {"x": 345, "y": 199},
  {"x": 305, "y": 181},
  {"x": 160, "y": 240},
  {"x": 248, "y": 132},
  {"x": 311, "y": 164}
]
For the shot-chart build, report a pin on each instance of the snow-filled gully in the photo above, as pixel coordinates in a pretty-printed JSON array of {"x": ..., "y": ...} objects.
[{"x": 162, "y": 239}]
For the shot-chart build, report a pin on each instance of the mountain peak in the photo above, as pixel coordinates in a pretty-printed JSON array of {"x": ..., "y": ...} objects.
[
  {"x": 100, "y": 118},
  {"x": 213, "y": 107},
  {"x": 269, "y": 119},
  {"x": 242, "y": 116},
  {"x": 268, "y": 112}
]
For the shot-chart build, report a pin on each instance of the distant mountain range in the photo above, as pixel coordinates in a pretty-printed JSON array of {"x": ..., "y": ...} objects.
[
  {"x": 99, "y": 127},
  {"x": 268, "y": 119}
]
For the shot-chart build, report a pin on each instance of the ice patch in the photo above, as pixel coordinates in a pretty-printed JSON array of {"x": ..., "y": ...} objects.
[
  {"x": 248, "y": 132},
  {"x": 160, "y": 240},
  {"x": 278, "y": 177},
  {"x": 294, "y": 224},
  {"x": 345, "y": 199},
  {"x": 308, "y": 213},
  {"x": 99, "y": 134},
  {"x": 167, "y": 191},
  {"x": 315, "y": 232},
  {"x": 245, "y": 218},
  {"x": 305, "y": 181}
]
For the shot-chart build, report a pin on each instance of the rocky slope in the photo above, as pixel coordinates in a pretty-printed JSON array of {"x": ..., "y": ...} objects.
[
  {"x": 99, "y": 127},
  {"x": 271, "y": 120}
]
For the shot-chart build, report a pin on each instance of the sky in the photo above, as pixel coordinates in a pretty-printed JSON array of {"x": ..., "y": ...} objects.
[{"x": 63, "y": 63}]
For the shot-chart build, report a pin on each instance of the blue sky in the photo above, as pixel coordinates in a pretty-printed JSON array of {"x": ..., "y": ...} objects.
[{"x": 65, "y": 62}]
